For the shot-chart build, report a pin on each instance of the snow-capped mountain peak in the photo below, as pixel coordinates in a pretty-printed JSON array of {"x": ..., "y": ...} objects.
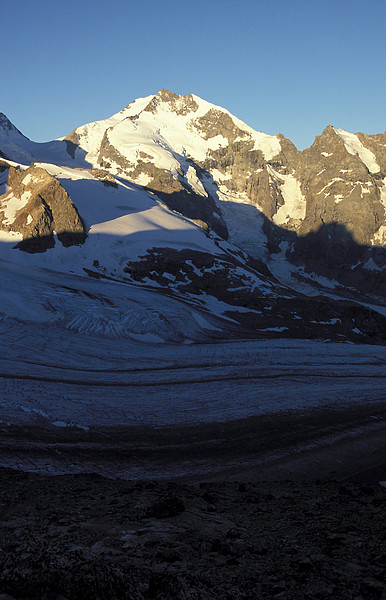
[
  {"x": 186, "y": 123},
  {"x": 323, "y": 209}
]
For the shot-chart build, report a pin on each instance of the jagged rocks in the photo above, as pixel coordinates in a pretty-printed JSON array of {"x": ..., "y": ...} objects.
[
  {"x": 37, "y": 206},
  {"x": 190, "y": 271},
  {"x": 339, "y": 189},
  {"x": 181, "y": 105}
]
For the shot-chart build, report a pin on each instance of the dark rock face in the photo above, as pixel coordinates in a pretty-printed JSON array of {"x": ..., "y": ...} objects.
[
  {"x": 339, "y": 189},
  {"x": 216, "y": 122},
  {"x": 345, "y": 214},
  {"x": 41, "y": 206},
  {"x": 243, "y": 169},
  {"x": 72, "y": 143},
  {"x": 274, "y": 311},
  {"x": 108, "y": 153},
  {"x": 6, "y": 124},
  {"x": 83, "y": 537}
]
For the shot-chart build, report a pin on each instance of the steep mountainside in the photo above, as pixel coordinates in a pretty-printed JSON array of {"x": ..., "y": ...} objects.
[
  {"x": 322, "y": 209},
  {"x": 175, "y": 195}
]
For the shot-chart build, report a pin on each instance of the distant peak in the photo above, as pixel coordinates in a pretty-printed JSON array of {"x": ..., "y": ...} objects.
[
  {"x": 329, "y": 133},
  {"x": 6, "y": 124}
]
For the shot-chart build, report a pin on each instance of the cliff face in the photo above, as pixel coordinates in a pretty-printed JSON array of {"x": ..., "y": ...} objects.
[{"x": 36, "y": 206}]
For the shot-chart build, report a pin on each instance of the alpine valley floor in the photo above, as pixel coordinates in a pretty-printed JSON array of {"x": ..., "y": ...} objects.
[{"x": 74, "y": 402}]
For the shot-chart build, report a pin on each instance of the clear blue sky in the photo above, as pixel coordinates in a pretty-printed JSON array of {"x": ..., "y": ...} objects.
[{"x": 289, "y": 66}]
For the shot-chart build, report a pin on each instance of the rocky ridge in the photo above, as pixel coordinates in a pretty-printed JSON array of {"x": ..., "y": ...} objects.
[{"x": 36, "y": 206}]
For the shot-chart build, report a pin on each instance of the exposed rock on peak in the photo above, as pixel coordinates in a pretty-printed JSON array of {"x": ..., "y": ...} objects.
[
  {"x": 36, "y": 206},
  {"x": 181, "y": 105}
]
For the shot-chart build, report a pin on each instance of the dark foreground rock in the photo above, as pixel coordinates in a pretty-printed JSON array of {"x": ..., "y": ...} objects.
[{"x": 91, "y": 538}]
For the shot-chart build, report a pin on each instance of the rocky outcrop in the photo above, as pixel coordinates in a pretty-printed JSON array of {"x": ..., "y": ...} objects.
[
  {"x": 268, "y": 309},
  {"x": 330, "y": 182},
  {"x": 345, "y": 209},
  {"x": 7, "y": 126},
  {"x": 180, "y": 105},
  {"x": 37, "y": 206},
  {"x": 339, "y": 189}
]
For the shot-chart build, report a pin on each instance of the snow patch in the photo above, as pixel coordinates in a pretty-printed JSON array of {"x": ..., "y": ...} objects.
[
  {"x": 329, "y": 185},
  {"x": 194, "y": 182},
  {"x": 383, "y": 194},
  {"x": 30, "y": 178},
  {"x": 268, "y": 144},
  {"x": 354, "y": 146},
  {"x": 370, "y": 265},
  {"x": 11, "y": 205},
  {"x": 294, "y": 207},
  {"x": 379, "y": 237}
]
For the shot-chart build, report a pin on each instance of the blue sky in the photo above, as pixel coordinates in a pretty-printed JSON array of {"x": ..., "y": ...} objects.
[{"x": 290, "y": 66}]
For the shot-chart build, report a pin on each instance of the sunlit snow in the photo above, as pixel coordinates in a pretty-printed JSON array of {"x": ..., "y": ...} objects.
[{"x": 355, "y": 146}]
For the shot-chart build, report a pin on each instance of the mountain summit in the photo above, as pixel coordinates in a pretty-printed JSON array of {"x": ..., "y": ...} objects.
[
  {"x": 176, "y": 194},
  {"x": 323, "y": 208}
]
